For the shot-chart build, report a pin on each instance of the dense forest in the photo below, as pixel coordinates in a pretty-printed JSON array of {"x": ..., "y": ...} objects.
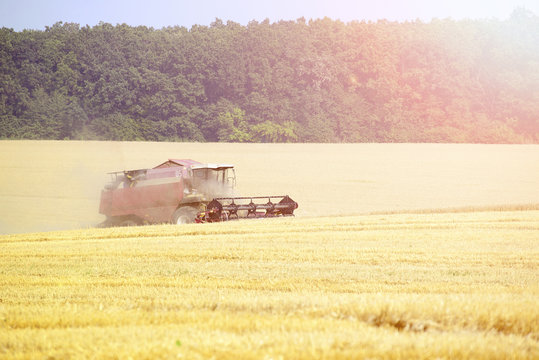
[{"x": 289, "y": 81}]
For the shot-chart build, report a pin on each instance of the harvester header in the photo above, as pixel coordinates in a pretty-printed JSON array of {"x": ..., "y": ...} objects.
[{"x": 227, "y": 208}]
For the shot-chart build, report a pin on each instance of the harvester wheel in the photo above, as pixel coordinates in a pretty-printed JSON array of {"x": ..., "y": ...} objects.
[
  {"x": 224, "y": 216},
  {"x": 129, "y": 222},
  {"x": 184, "y": 215}
]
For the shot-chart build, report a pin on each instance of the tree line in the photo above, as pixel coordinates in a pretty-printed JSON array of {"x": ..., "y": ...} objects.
[{"x": 288, "y": 81}]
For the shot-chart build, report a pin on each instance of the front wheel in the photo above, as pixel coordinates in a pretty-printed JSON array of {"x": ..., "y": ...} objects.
[{"x": 184, "y": 215}]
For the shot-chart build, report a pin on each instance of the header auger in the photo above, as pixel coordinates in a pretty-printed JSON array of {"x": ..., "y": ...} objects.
[
  {"x": 183, "y": 191},
  {"x": 229, "y": 208}
]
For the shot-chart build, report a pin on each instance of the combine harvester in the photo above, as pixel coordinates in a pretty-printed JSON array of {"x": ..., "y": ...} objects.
[{"x": 183, "y": 191}]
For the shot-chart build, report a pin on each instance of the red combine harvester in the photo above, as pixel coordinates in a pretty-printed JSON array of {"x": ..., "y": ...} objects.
[{"x": 183, "y": 191}]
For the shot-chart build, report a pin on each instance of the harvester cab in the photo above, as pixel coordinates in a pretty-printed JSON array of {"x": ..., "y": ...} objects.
[{"x": 211, "y": 180}]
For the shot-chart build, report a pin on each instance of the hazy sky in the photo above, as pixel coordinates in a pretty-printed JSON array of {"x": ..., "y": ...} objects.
[{"x": 36, "y": 14}]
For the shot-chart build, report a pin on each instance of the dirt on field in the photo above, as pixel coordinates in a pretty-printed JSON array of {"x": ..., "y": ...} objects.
[{"x": 53, "y": 185}]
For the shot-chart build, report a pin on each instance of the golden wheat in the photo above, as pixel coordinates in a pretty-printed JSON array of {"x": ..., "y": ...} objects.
[
  {"x": 454, "y": 285},
  {"x": 54, "y": 185}
]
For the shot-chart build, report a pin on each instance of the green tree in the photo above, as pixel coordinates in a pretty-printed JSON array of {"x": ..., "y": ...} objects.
[
  {"x": 233, "y": 127},
  {"x": 272, "y": 132},
  {"x": 54, "y": 116},
  {"x": 307, "y": 81},
  {"x": 116, "y": 126}
]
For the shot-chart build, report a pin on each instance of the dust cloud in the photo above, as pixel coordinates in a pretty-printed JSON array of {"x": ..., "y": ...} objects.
[{"x": 48, "y": 185}]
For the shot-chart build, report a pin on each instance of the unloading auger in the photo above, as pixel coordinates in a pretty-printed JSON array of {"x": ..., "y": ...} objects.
[{"x": 246, "y": 207}]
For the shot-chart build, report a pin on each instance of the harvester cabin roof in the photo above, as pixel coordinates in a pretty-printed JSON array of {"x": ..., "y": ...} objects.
[
  {"x": 177, "y": 162},
  {"x": 212, "y": 166},
  {"x": 188, "y": 163}
]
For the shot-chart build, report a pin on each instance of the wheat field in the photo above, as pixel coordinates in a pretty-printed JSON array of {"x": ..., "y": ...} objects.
[
  {"x": 55, "y": 185},
  {"x": 397, "y": 251},
  {"x": 397, "y": 286}
]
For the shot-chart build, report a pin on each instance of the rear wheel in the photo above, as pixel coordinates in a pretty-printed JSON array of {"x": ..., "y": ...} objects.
[
  {"x": 129, "y": 222},
  {"x": 112, "y": 221},
  {"x": 184, "y": 215}
]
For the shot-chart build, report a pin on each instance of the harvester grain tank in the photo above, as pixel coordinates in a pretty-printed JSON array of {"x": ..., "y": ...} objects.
[{"x": 181, "y": 191}]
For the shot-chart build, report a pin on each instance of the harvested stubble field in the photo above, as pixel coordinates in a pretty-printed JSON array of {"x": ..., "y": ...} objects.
[
  {"x": 434, "y": 284},
  {"x": 452, "y": 285}
]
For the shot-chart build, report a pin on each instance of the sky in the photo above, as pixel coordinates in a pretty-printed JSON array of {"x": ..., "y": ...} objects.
[{"x": 37, "y": 14}]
